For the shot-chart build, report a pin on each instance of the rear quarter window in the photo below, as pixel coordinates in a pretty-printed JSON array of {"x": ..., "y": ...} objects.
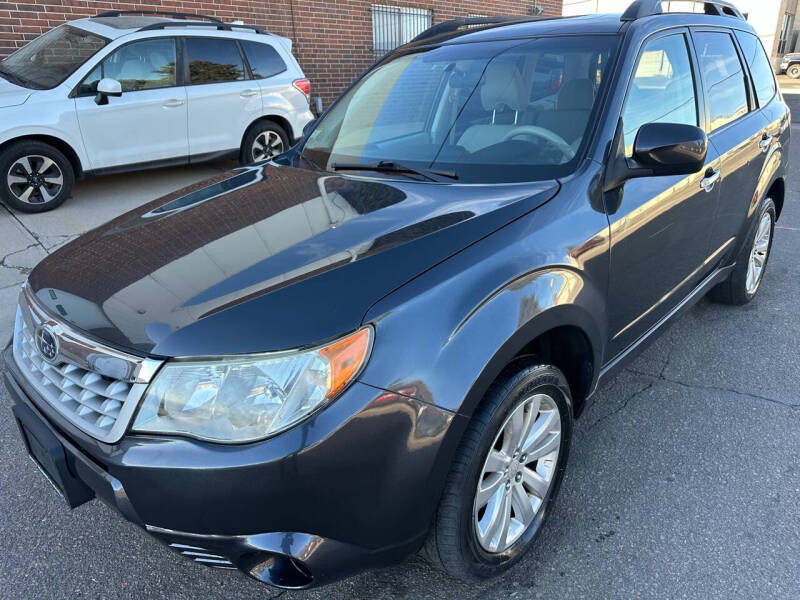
[
  {"x": 264, "y": 60},
  {"x": 760, "y": 68}
]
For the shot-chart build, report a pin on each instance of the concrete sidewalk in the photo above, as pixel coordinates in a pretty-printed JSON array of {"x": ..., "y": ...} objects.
[{"x": 25, "y": 239}]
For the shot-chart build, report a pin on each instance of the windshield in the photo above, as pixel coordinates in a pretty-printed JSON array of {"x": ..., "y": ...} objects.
[
  {"x": 49, "y": 59},
  {"x": 501, "y": 111}
]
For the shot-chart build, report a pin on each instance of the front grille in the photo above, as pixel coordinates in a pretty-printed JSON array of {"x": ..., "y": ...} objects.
[
  {"x": 94, "y": 387},
  {"x": 90, "y": 400}
]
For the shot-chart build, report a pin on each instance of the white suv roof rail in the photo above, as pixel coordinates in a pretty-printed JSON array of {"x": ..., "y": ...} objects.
[{"x": 182, "y": 20}]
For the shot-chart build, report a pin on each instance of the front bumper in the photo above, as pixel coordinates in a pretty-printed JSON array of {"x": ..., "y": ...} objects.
[{"x": 354, "y": 487}]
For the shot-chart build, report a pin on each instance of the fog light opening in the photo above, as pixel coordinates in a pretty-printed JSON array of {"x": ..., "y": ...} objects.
[{"x": 282, "y": 571}]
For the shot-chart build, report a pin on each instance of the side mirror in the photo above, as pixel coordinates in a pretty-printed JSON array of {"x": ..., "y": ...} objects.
[
  {"x": 670, "y": 148},
  {"x": 660, "y": 149},
  {"x": 105, "y": 88}
]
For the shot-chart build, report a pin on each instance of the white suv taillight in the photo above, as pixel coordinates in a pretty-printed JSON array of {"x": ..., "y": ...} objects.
[{"x": 304, "y": 85}]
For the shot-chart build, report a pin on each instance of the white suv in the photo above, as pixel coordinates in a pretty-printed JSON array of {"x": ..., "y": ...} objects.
[{"x": 119, "y": 92}]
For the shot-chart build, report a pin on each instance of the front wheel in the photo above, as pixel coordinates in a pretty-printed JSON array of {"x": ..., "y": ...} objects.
[
  {"x": 263, "y": 141},
  {"x": 37, "y": 177},
  {"x": 793, "y": 71},
  {"x": 506, "y": 473}
]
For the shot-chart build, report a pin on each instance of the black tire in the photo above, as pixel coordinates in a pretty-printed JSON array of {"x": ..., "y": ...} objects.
[
  {"x": 268, "y": 129},
  {"x": 734, "y": 289},
  {"x": 453, "y": 544},
  {"x": 28, "y": 155},
  {"x": 793, "y": 71}
]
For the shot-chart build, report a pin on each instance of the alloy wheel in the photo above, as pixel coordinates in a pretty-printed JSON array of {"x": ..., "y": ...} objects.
[
  {"x": 518, "y": 472},
  {"x": 267, "y": 145},
  {"x": 35, "y": 179},
  {"x": 759, "y": 253}
]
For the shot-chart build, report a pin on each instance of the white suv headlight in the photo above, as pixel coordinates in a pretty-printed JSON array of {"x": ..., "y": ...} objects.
[{"x": 251, "y": 397}]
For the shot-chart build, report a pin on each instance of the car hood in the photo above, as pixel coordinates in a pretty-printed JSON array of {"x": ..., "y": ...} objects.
[
  {"x": 12, "y": 94},
  {"x": 264, "y": 258}
]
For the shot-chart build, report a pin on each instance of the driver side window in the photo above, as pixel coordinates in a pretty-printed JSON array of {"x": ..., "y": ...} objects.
[
  {"x": 144, "y": 65},
  {"x": 662, "y": 90}
]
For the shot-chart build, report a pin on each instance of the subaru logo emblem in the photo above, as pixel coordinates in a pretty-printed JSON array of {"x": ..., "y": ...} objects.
[{"x": 47, "y": 343}]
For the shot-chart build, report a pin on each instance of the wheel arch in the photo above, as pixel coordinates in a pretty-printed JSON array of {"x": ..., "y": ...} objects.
[
  {"x": 554, "y": 312},
  {"x": 777, "y": 191},
  {"x": 564, "y": 336},
  {"x": 54, "y": 141},
  {"x": 283, "y": 122}
]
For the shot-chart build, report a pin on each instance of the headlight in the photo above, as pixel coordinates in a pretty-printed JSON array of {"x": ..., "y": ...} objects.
[{"x": 247, "y": 398}]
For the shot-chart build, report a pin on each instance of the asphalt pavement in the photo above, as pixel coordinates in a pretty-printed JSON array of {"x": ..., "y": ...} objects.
[{"x": 683, "y": 482}]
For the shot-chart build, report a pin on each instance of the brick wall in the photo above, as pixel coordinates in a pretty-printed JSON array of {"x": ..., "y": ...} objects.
[{"x": 332, "y": 39}]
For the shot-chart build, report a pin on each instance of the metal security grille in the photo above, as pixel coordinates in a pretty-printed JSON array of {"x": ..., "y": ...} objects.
[{"x": 393, "y": 26}]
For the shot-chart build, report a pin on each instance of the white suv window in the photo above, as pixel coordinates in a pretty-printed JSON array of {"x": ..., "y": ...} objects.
[
  {"x": 143, "y": 65},
  {"x": 264, "y": 60},
  {"x": 213, "y": 60}
]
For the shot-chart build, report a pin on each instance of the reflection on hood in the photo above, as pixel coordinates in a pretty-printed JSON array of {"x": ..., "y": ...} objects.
[{"x": 260, "y": 233}]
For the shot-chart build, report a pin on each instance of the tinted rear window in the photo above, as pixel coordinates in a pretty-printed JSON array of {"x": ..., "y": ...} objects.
[
  {"x": 264, "y": 60},
  {"x": 723, "y": 76},
  {"x": 213, "y": 60}
]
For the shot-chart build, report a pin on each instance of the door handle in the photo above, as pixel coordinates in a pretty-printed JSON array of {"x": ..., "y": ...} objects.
[
  {"x": 711, "y": 177},
  {"x": 249, "y": 93},
  {"x": 765, "y": 142},
  {"x": 174, "y": 103}
]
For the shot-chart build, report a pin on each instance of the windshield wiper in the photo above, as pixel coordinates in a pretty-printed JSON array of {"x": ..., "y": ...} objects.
[{"x": 394, "y": 167}]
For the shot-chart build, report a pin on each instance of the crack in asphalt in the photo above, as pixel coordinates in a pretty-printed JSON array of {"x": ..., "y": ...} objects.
[
  {"x": 621, "y": 407},
  {"x": 714, "y": 388}
]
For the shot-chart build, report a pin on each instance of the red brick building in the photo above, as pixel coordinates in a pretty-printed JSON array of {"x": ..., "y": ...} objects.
[{"x": 334, "y": 40}]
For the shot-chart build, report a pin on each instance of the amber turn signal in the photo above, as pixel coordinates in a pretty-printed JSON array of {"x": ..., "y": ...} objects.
[{"x": 346, "y": 357}]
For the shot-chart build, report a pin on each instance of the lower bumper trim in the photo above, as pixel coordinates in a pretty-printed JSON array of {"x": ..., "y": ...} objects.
[{"x": 287, "y": 560}]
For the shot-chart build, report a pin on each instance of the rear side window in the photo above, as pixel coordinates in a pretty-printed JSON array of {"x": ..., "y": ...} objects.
[
  {"x": 662, "y": 90},
  {"x": 760, "y": 69},
  {"x": 264, "y": 60},
  {"x": 213, "y": 60},
  {"x": 723, "y": 77}
]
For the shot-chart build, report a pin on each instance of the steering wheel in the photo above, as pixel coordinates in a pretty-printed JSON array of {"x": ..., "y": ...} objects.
[{"x": 545, "y": 134}]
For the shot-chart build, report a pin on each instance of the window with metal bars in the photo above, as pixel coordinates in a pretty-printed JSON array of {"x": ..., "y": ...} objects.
[{"x": 393, "y": 26}]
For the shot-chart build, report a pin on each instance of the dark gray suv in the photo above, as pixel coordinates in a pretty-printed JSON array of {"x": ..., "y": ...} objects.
[{"x": 378, "y": 342}]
